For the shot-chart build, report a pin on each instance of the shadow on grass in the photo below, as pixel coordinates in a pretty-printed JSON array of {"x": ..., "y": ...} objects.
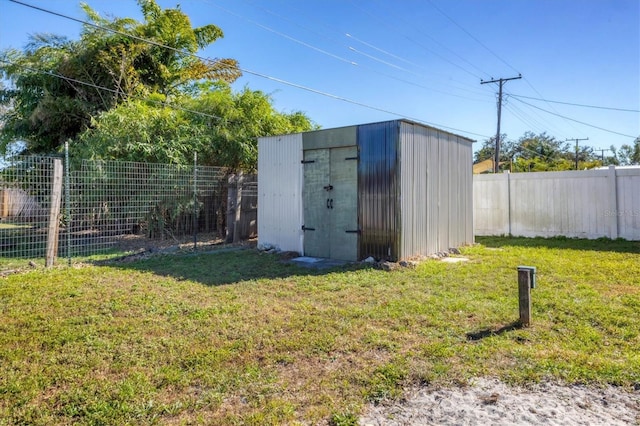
[
  {"x": 488, "y": 332},
  {"x": 600, "y": 244},
  {"x": 225, "y": 266}
]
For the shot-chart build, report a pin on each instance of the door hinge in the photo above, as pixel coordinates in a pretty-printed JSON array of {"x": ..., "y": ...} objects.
[
  {"x": 353, "y": 158},
  {"x": 308, "y": 161},
  {"x": 304, "y": 228},
  {"x": 356, "y": 231}
]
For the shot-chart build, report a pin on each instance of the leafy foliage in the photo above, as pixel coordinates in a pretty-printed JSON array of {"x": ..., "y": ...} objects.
[
  {"x": 59, "y": 85},
  {"x": 627, "y": 154},
  {"x": 537, "y": 152},
  {"x": 139, "y": 131},
  {"x": 218, "y": 124}
]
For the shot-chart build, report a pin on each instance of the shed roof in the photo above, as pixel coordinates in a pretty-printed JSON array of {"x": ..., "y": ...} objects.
[{"x": 404, "y": 120}]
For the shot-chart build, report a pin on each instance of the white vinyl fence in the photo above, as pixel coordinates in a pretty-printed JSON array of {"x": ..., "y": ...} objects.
[{"x": 584, "y": 204}]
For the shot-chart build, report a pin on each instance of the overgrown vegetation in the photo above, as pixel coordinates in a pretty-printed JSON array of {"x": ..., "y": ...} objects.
[
  {"x": 135, "y": 91},
  {"x": 239, "y": 337}
]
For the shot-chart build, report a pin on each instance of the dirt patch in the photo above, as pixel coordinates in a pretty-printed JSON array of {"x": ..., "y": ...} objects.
[{"x": 140, "y": 247}]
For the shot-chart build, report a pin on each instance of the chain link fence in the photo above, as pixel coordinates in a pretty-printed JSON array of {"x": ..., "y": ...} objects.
[{"x": 102, "y": 206}]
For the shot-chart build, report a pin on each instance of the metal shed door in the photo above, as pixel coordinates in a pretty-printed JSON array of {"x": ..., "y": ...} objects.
[{"x": 330, "y": 199}]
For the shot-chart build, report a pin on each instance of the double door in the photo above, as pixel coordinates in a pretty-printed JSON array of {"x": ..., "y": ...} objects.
[{"x": 330, "y": 200}]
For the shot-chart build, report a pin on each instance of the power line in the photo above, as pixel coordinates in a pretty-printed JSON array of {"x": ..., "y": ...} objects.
[
  {"x": 485, "y": 47},
  {"x": 385, "y": 23},
  {"x": 348, "y": 35},
  {"x": 575, "y": 104},
  {"x": 472, "y": 36},
  {"x": 527, "y": 120},
  {"x": 265, "y": 76},
  {"x": 550, "y": 106},
  {"x": 296, "y": 22},
  {"x": 548, "y": 156},
  {"x": 544, "y": 124},
  {"x": 351, "y": 101},
  {"x": 107, "y": 89},
  {"x": 401, "y": 18},
  {"x": 403, "y": 60},
  {"x": 488, "y": 49},
  {"x": 288, "y": 37},
  {"x": 577, "y": 121},
  {"x": 356, "y": 64}
]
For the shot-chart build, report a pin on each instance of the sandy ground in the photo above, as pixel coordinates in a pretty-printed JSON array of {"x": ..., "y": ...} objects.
[{"x": 491, "y": 402}]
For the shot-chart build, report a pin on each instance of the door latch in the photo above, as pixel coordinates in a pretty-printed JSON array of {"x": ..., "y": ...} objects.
[
  {"x": 329, "y": 203},
  {"x": 328, "y": 187}
]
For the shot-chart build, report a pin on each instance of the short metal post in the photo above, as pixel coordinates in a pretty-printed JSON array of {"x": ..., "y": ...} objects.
[{"x": 526, "y": 281}]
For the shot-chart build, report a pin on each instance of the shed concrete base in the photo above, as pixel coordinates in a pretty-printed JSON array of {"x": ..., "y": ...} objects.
[{"x": 317, "y": 262}]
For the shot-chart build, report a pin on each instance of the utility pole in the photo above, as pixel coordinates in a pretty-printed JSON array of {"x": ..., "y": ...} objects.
[
  {"x": 602, "y": 154},
  {"x": 577, "y": 140},
  {"x": 500, "y": 82}
]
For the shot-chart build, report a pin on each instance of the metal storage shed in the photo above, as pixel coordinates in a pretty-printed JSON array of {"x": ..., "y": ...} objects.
[{"x": 392, "y": 190}]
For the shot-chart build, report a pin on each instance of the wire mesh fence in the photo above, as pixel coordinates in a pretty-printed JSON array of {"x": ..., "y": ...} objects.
[
  {"x": 25, "y": 201},
  {"x": 108, "y": 203}
]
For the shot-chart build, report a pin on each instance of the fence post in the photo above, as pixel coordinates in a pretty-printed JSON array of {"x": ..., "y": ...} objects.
[
  {"x": 526, "y": 281},
  {"x": 508, "y": 173},
  {"x": 67, "y": 198},
  {"x": 238, "y": 213},
  {"x": 195, "y": 201},
  {"x": 5, "y": 203},
  {"x": 231, "y": 200},
  {"x": 614, "y": 217},
  {"x": 54, "y": 213}
]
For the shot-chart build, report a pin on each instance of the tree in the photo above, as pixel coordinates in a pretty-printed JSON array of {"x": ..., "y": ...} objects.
[
  {"x": 243, "y": 117},
  {"x": 218, "y": 124},
  {"x": 488, "y": 149},
  {"x": 539, "y": 152},
  {"x": 543, "y": 147},
  {"x": 60, "y": 85}
]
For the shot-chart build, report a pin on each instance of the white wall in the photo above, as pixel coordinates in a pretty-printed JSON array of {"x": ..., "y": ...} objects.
[
  {"x": 280, "y": 213},
  {"x": 584, "y": 204}
]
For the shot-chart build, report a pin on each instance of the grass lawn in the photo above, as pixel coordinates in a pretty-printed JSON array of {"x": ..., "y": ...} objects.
[{"x": 239, "y": 337}]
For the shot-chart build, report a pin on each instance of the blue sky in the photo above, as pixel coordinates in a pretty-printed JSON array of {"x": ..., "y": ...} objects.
[{"x": 420, "y": 59}]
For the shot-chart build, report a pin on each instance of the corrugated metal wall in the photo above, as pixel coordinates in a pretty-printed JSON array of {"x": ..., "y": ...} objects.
[
  {"x": 378, "y": 190},
  {"x": 280, "y": 176},
  {"x": 460, "y": 191},
  {"x": 414, "y": 188},
  {"x": 436, "y": 201}
]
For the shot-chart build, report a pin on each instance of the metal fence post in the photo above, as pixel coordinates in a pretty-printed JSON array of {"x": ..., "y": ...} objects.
[
  {"x": 237, "y": 228},
  {"x": 67, "y": 199},
  {"x": 195, "y": 201}
]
